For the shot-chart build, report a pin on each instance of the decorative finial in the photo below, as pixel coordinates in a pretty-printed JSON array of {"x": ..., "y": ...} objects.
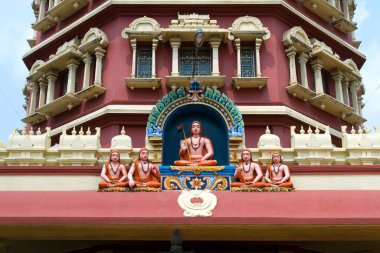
[
  {"x": 81, "y": 131},
  {"x": 38, "y": 131},
  {"x": 74, "y": 132},
  {"x": 302, "y": 131},
  {"x": 122, "y": 132},
  {"x": 31, "y": 132},
  {"x": 353, "y": 130},
  {"x": 88, "y": 132},
  {"x": 360, "y": 131},
  {"x": 317, "y": 130},
  {"x": 309, "y": 131},
  {"x": 267, "y": 131}
]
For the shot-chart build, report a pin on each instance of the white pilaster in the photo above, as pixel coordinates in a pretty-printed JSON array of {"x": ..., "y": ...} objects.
[
  {"x": 345, "y": 10},
  {"x": 154, "y": 48},
  {"x": 215, "y": 43},
  {"x": 353, "y": 89},
  {"x": 317, "y": 68},
  {"x": 87, "y": 70},
  {"x": 51, "y": 77},
  {"x": 291, "y": 53},
  {"x": 302, "y": 59},
  {"x": 33, "y": 97},
  {"x": 42, "y": 99},
  {"x": 345, "y": 93},
  {"x": 99, "y": 53},
  {"x": 51, "y": 4},
  {"x": 237, "y": 45},
  {"x": 72, "y": 66},
  {"x": 175, "y": 44},
  {"x": 133, "y": 43},
  {"x": 42, "y": 10},
  {"x": 338, "y": 76},
  {"x": 258, "y": 62}
]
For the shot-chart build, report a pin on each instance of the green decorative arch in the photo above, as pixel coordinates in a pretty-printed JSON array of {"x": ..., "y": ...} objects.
[{"x": 211, "y": 98}]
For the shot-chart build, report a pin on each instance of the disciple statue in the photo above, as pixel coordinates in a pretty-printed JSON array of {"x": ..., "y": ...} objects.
[
  {"x": 143, "y": 173},
  {"x": 248, "y": 173},
  {"x": 278, "y": 174},
  {"x": 113, "y": 172},
  {"x": 196, "y": 150}
]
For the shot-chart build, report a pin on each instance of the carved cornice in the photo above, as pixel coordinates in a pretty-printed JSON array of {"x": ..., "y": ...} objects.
[{"x": 248, "y": 28}]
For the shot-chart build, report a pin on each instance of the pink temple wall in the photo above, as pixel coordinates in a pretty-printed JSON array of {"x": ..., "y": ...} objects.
[{"x": 118, "y": 60}]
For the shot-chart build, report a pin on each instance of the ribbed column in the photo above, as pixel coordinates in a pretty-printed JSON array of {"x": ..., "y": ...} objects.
[
  {"x": 99, "y": 54},
  {"x": 338, "y": 76},
  {"x": 72, "y": 66},
  {"x": 345, "y": 93},
  {"x": 133, "y": 43},
  {"x": 87, "y": 70},
  {"x": 51, "y": 4},
  {"x": 175, "y": 44},
  {"x": 291, "y": 53},
  {"x": 237, "y": 45},
  {"x": 317, "y": 68},
  {"x": 258, "y": 62},
  {"x": 42, "y": 99},
  {"x": 302, "y": 59},
  {"x": 33, "y": 97},
  {"x": 353, "y": 89},
  {"x": 42, "y": 10},
  {"x": 345, "y": 10},
  {"x": 51, "y": 77},
  {"x": 215, "y": 43},
  {"x": 154, "y": 48}
]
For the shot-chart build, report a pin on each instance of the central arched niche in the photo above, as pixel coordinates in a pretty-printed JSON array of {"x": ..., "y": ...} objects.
[{"x": 213, "y": 126}]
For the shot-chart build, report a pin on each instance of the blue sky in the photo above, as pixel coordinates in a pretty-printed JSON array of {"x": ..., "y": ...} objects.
[{"x": 16, "y": 30}]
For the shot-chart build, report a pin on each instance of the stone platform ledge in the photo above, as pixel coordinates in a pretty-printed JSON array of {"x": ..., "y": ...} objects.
[{"x": 278, "y": 216}]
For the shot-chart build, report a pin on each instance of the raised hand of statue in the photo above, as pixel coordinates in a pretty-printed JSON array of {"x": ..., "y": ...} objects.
[{"x": 183, "y": 145}]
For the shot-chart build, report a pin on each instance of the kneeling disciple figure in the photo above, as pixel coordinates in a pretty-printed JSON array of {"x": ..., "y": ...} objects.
[
  {"x": 278, "y": 174},
  {"x": 113, "y": 172},
  {"x": 248, "y": 173},
  {"x": 143, "y": 173}
]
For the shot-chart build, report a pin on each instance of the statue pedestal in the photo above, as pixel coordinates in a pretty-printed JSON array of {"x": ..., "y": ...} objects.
[{"x": 196, "y": 177}]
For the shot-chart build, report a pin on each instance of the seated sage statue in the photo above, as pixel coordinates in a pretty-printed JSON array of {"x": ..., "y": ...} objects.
[
  {"x": 196, "y": 150},
  {"x": 278, "y": 174},
  {"x": 248, "y": 173},
  {"x": 143, "y": 173},
  {"x": 113, "y": 172}
]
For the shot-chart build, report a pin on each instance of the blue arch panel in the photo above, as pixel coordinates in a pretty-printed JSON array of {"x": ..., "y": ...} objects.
[{"x": 213, "y": 126}]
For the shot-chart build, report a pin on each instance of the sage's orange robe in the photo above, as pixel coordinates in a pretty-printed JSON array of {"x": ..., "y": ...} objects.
[
  {"x": 241, "y": 181},
  {"x": 287, "y": 184},
  {"x": 152, "y": 181},
  {"x": 105, "y": 184},
  {"x": 185, "y": 159}
]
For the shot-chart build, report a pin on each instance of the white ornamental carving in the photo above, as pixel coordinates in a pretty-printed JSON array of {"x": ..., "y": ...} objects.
[{"x": 197, "y": 203}]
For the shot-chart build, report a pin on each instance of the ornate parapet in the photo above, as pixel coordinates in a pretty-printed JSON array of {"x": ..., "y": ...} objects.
[
  {"x": 312, "y": 148},
  {"x": 3, "y": 153},
  {"x": 268, "y": 143},
  {"x": 78, "y": 149},
  {"x": 28, "y": 148},
  {"x": 123, "y": 144},
  {"x": 362, "y": 147}
]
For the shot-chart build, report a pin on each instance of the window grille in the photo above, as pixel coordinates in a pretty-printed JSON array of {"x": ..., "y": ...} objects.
[
  {"x": 247, "y": 62},
  {"x": 144, "y": 63},
  {"x": 203, "y": 63}
]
